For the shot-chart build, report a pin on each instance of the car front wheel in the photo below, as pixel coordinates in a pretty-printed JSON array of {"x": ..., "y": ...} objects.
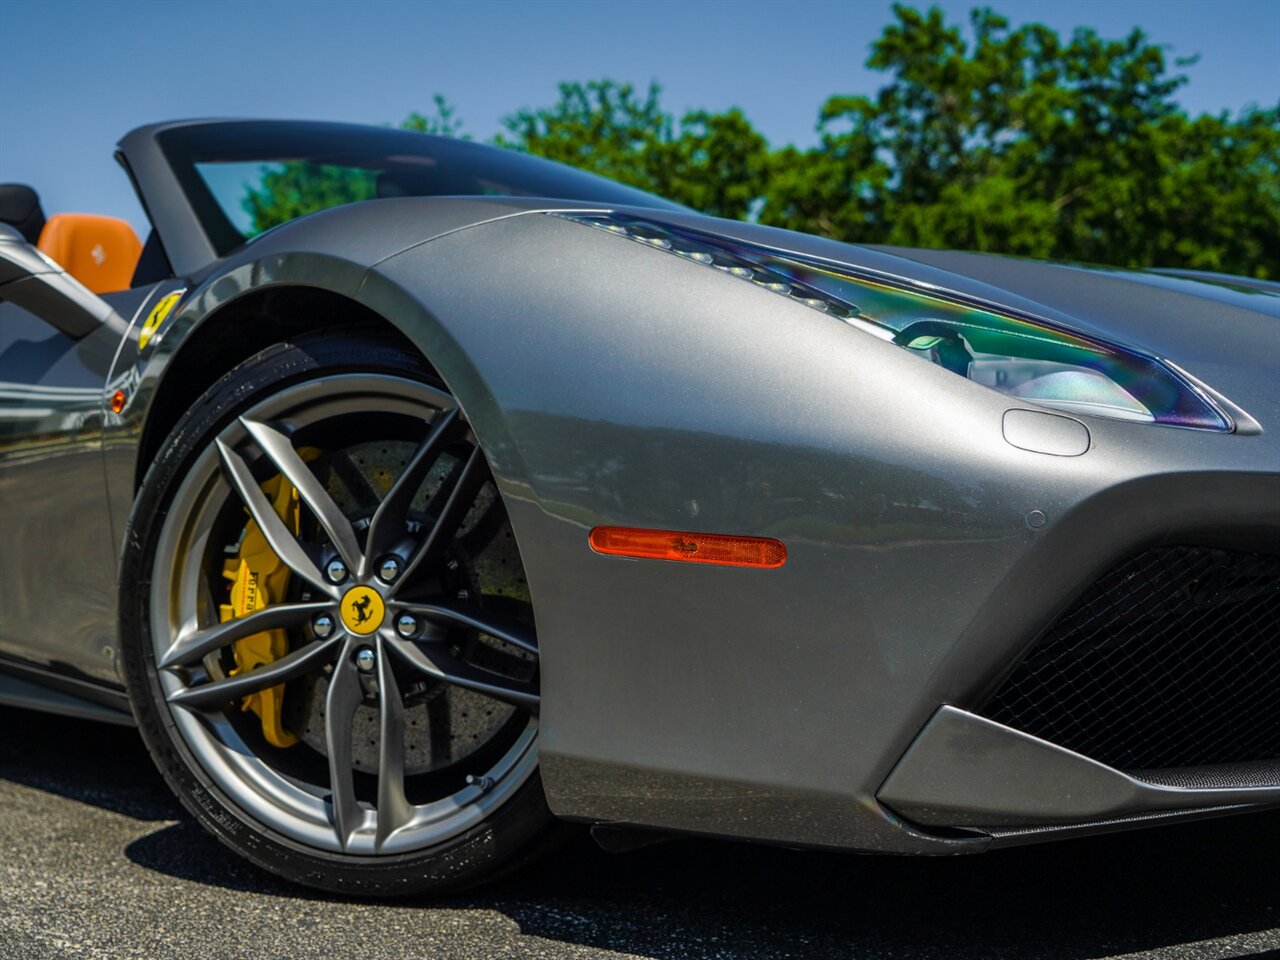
[{"x": 327, "y": 634}]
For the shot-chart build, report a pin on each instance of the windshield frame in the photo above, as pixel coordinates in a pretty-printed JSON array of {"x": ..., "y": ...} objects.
[{"x": 163, "y": 160}]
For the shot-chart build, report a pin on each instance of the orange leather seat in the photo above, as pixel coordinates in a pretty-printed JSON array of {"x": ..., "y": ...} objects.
[{"x": 100, "y": 252}]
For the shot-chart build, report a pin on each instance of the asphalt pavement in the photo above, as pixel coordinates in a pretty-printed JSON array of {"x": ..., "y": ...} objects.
[{"x": 97, "y": 860}]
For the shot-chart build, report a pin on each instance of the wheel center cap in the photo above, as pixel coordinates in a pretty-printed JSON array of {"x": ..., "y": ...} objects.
[{"x": 362, "y": 610}]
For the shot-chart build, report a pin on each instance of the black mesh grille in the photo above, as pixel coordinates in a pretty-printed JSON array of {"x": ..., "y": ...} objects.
[{"x": 1171, "y": 659}]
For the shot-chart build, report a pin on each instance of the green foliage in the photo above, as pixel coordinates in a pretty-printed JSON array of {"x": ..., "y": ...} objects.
[
  {"x": 603, "y": 127},
  {"x": 293, "y": 189},
  {"x": 1022, "y": 142},
  {"x": 716, "y": 163},
  {"x": 995, "y": 138},
  {"x": 442, "y": 121}
]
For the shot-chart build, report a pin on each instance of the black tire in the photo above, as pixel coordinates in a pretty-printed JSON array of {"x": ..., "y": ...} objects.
[{"x": 521, "y": 828}]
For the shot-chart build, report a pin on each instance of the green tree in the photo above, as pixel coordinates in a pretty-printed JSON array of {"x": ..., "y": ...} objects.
[
  {"x": 716, "y": 163},
  {"x": 1220, "y": 180},
  {"x": 1018, "y": 141},
  {"x": 602, "y": 126},
  {"x": 836, "y": 189},
  {"x": 442, "y": 121}
]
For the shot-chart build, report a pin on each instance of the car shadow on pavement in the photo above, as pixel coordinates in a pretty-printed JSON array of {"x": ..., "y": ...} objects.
[
  {"x": 1140, "y": 891},
  {"x": 95, "y": 763}
]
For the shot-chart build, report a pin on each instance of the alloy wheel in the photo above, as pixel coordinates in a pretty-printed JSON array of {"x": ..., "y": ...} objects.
[{"x": 404, "y": 609}]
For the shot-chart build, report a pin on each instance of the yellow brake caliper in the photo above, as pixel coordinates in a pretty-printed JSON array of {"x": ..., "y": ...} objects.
[{"x": 259, "y": 579}]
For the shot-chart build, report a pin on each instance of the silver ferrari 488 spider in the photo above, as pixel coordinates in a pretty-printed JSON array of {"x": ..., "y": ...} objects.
[{"x": 496, "y": 495}]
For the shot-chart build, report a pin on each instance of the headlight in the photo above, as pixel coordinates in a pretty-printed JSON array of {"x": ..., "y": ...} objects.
[{"x": 1020, "y": 356}]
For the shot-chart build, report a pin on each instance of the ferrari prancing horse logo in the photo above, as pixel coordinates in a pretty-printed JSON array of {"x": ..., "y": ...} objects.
[
  {"x": 159, "y": 313},
  {"x": 362, "y": 610}
]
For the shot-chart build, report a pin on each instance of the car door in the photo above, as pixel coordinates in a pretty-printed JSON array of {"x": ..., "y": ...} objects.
[{"x": 57, "y": 549}]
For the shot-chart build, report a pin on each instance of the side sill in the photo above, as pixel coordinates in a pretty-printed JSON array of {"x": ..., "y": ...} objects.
[
  {"x": 965, "y": 771},
  {"x": 18, "y": 692},
  {"x": 1002, "y": 837},
  {"x": 618, "y": 797}
]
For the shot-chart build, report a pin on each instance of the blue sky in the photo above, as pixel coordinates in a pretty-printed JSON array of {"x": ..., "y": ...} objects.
[{"x": 75, "y": 76}]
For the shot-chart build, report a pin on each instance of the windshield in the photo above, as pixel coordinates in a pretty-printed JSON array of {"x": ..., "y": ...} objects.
[{"x": 244, "y": 178}]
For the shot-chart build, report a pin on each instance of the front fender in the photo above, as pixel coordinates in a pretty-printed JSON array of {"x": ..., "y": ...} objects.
[
  {"x": 610, "y": 383},
  {"x": 329, "y": 251}
]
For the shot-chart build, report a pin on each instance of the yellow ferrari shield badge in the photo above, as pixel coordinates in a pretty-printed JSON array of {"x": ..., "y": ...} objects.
[
  {"x": 362, "y": 610},
  {"x": 159, "y": 313}
]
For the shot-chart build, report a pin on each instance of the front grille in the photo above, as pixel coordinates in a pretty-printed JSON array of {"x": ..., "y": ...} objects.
[{"x": 1171, "y": 659}]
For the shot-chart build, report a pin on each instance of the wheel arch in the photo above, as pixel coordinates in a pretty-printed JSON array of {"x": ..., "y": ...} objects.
[
  {"x": 254, "y": 305},
  {"x": 260, "y": 317}
]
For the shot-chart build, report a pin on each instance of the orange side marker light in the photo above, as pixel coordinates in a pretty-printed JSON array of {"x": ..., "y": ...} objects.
[
  {"x": 117, "y": 401},
  {"x": 716, "y": 548}
]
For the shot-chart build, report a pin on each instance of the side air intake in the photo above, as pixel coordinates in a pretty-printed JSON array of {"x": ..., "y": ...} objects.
[{"x": 1171, "y": 659}]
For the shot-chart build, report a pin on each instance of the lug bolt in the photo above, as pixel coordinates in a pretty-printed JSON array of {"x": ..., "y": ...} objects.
[
  {"x": 389, "y": 570},
  {"x": 406, "y": 625},
  {"x": 366, "y": 660},
  {"x": 322, "y": 625},
  {"x": 336, "y": 571}
]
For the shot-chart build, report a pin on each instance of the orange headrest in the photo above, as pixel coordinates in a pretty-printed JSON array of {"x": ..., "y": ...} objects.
[{"x": 100, "y": 252}]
